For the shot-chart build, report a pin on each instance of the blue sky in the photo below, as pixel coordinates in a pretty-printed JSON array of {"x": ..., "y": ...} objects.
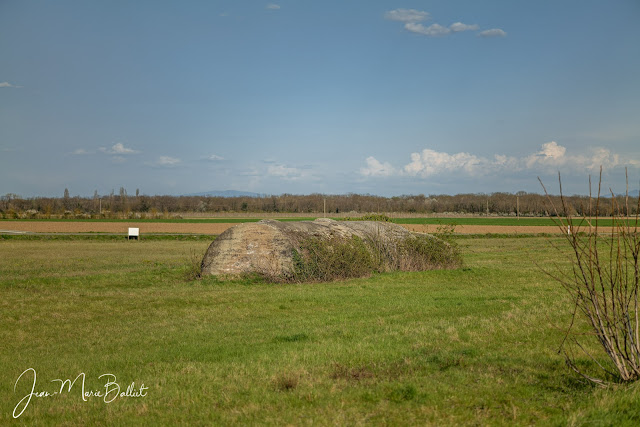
[{"x": 303, "y": 96}]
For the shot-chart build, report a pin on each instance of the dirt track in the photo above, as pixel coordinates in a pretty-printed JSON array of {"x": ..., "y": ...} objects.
[
  {"x": 209, "y": 228},
  {"x": 112, "y": 227}
]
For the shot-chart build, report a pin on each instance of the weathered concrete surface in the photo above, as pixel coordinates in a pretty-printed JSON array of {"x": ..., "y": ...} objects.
[{"x": 267, "y": 246}]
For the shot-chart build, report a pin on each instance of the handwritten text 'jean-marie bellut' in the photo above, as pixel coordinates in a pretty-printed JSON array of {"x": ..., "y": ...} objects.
[{"x": 108, "y": 393}]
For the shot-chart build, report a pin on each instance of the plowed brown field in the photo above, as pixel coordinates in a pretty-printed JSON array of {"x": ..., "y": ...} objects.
[{"x": 213, "y": 228}]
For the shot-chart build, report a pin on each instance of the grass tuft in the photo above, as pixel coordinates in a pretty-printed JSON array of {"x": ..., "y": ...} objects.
[
  {"x": 342, "y": 372},
  {"x": 292, "y": 338},
  {"x": 286, "y": 382},
  {"x": 403, "y": 393}
]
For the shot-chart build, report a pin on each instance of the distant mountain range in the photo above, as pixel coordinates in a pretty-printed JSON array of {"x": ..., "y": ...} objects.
[
  {"x": 633, "y": 194},
  {"x": 228, "y": 193}
]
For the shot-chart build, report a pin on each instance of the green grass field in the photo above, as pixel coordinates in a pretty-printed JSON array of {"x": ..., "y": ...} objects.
[{"x": 470, "y": 346}]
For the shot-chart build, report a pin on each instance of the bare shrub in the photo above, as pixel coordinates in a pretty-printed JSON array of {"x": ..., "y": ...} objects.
[
  {"x": 340, "y": 258},
  {"x": 603, "y": 285},
  {"x": 428, "y": 253},
  {"x": 417, "y": 253},
  {"x": 334, "y": 259},
  {"x": 194, "y": 266}
]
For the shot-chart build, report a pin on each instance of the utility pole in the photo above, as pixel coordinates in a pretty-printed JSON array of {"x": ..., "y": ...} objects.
[
  {"x": 324, "y": 209},
  {"x": 518, "y": 206}
]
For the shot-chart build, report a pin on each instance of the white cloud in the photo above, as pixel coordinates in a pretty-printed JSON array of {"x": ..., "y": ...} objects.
[
  {"x": 121, "y": 149},
  {"x": 407, "y": 15},
  {"x": 502, "y": 162},
  {"x": 457, "y": 27},
  {"x": 551, "y": 154},
  {"x": 214, "y": 158},
  {"x": 412, "y": 19},
  {"x": 79, "y": 152},
  {"x": 166, "y": 161},
  {"x": 494, "y": 32},
  {"x": 433, "y": 30},
  {"x": 282, "y": 171},
  {"x": 7, "y": 84},
  {"x": 604, "y": 157},
  {"x": 431, "y": 162},
  {"x": 118, "y": 148},
  {"x": 375, "y": 168},
  {"x": 550, "y": 158},
  {"x": 273, "y": 6}
]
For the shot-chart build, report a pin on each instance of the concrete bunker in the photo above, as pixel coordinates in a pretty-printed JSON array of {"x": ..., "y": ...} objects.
[{"x": 278, "y": 249}]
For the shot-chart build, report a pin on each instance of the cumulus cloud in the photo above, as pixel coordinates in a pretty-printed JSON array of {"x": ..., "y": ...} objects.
[
  {"x": 550, "y": 158},
  {"x": 494, "y": 32},
  {"x": 433, "y": 30},
  {"x": 118, "y": 149},
  {"x": 375, "y": 168},
  {"x": 407, "y": 15},
  {"x": 7, "y": 84},
  {"x": 214, "y": 158},
  {"x": 413, "y": 19},
  {"x": 502, "y": 162},
  {"x": 431, "y": 162},
  {"x": 273, "y": 6},
  {"x": 551, "y": 154},
  {"x": 457, "y": 27}
]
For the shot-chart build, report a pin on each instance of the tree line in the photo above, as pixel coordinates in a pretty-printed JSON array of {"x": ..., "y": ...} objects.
[{"x": 124, "y": 205}]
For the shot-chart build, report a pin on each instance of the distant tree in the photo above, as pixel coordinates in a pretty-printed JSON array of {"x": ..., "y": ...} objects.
[
  {"x": 123, "y": 199},
  {"x": 66, "y": 202}
]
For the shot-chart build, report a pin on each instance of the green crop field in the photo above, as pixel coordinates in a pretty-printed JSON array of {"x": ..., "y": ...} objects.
[
  {"x": 472, "y": 346},
  {"x": 503, "y": 221}
]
